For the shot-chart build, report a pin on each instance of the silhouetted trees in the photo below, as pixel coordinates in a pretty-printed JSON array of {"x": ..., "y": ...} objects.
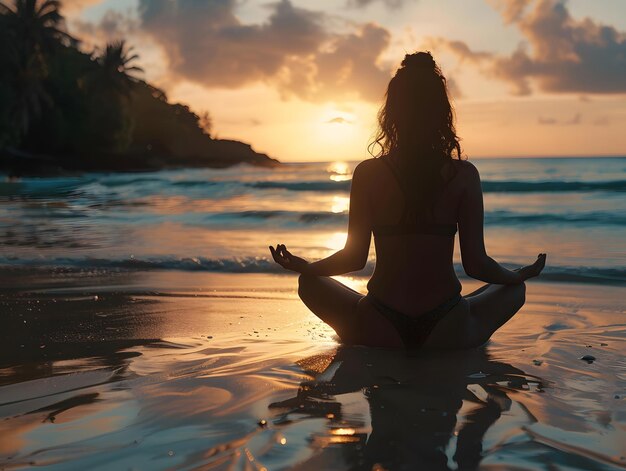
[
  {"x": 88, "y": 110},
  {"x": 30, "y": 32}
]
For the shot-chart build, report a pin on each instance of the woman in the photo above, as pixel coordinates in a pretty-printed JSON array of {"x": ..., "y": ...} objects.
[{"x": 412, "y": 198}]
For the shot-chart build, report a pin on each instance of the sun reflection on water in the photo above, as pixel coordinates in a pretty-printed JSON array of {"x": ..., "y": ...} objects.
[
  {"x": 340, "y": 204},
  {"x": 340, "y": 171}
]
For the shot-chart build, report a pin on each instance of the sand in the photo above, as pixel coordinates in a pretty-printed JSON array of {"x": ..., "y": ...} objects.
[{"x": 172, "y": 370}]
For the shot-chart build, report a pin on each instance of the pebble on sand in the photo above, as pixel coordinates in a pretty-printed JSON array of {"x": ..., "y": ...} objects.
[{"x": 588, "y": 358}]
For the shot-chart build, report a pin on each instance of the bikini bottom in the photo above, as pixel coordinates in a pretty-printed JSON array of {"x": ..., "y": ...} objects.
[{"x": 414, "y": 330}]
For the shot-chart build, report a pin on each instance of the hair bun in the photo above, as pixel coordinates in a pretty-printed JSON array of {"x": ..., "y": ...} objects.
[{"x": 421, "y": 60}]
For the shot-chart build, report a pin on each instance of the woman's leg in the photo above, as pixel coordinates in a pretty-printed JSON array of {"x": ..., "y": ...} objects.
[
  {"x": 478, "y": 291},
  {"x": 493, "y": 307},
  {"x": 477, "y": 316},
  {"x": 331, "y": 301}
]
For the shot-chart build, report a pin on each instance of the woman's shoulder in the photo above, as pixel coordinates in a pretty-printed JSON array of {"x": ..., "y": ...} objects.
[
  {"x": 367, "y": 167},
  {"x": 465, "y": 169}
]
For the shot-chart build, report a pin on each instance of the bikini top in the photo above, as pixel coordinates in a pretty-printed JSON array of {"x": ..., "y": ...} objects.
[{"x": 408, "y": 226}]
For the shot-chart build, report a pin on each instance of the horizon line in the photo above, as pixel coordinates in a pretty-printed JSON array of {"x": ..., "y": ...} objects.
[{"x": 608, "y": 156}]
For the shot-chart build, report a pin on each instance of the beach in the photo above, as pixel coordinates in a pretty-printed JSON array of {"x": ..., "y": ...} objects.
[
  {"x": 145, "y": 327},
  {"x": 170, "y": 370}
]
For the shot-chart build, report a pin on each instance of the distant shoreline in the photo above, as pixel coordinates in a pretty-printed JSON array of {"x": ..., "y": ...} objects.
[{"x": 227, "y": 153}]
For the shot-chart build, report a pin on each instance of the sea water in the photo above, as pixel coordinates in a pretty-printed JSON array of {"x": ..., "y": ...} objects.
[{"x": 574, "y": 209}]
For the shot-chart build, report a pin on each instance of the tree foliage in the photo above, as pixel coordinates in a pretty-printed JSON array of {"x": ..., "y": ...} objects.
[{"x": 58, "y": 101}]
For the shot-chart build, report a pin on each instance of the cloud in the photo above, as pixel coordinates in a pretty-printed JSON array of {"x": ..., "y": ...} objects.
[
  {"x": 454, "y": 89},
  {"x": 73, "y": 7},
  {"x": 561, "y": 55},
  {"x": 338, "y": 120},
  {"x": 575, "y": 120},
  {"x": 207, "y": 43},
  {"x": 511, "y": 10},
  {"x": 550, "y": 121},
  {"x": 113, "y": 25},
  {"x": 602, "y": 121},
  {"x": 294, "y": 50},
  {"x": 347, "y": 67},
  {"x": 393, "y": 4},
  {"x": 464, "y": 52}
]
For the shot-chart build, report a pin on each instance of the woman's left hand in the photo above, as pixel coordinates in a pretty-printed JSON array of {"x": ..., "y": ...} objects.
[{"x": 287, "y": 260}]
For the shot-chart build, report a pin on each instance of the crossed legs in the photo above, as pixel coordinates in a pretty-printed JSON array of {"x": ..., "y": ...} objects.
[{"x": 470, "y": 324}]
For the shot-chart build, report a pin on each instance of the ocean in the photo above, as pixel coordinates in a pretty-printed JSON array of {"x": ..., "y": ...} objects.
[
  {"x": 144, "y": 326},
  {"x": 574, "y": 209}
]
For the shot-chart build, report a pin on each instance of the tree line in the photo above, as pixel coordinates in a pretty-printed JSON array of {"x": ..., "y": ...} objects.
[{"x": 89, "y": 110}]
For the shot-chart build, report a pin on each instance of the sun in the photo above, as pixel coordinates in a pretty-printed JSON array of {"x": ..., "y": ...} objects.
[{"x": 336, "y": 133}]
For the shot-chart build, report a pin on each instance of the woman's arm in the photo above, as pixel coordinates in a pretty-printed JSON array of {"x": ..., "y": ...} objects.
[
  {"x": 354, "y": 254},
  {"x": 476, "y": 263}
]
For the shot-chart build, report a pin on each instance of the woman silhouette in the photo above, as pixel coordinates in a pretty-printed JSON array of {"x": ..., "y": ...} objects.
[{"x": 412, "y": 198}]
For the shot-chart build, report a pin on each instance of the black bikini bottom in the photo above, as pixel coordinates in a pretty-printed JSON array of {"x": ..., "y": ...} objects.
[{"x": 414, "y": 330}]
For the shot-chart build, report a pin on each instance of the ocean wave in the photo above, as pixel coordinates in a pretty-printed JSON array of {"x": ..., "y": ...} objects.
[
  {"x": 592, "y": 218},
  {"x": 489, "y": 186},
  {"x": 492, "y": 218},
  {"x": 321, "y": 186},
  {"x": 157, "y": 185},
  {"x": 114, "y": 182},
  {"x": 310, "y": 217},
  {"x": 570, "y": 274},
  {"x": 553, "y": 186}
]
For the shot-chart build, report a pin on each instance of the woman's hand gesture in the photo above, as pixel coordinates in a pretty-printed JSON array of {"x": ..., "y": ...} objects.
[
  {"x": 287, "y": 260},
  {"x": 533, "y": 270}
]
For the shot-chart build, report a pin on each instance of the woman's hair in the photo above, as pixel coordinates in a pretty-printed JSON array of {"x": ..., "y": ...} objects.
[{"x": 416, "y": 123}]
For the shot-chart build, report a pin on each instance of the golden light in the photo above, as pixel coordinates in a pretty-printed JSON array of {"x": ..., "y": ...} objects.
[
  {"x": 336, "y": 134},
  {"x": 343, "y": 431},
  {"x": 337, "y": 240},
  {"x": 340, "y": 171},
  {"x": 283, "y": 441},
  {"x": 340, "y": 204}
]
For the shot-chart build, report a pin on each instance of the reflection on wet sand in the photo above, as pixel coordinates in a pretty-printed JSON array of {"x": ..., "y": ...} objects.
[
  {"x": 429, "y": 412},
  {"x": 249, "y": 379}
]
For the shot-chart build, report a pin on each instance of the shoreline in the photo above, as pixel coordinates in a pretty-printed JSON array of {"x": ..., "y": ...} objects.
[
  {"x": 172, "y": 369},
  {"x": 230, "y": 153}
]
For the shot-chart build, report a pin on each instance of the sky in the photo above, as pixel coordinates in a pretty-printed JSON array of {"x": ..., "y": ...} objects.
[{"x": 303, "y": 80}]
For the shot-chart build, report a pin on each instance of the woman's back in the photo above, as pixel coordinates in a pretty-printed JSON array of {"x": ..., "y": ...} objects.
[
  {"x": 413, "y": 210},
  {"x": 414, "y": 268}
]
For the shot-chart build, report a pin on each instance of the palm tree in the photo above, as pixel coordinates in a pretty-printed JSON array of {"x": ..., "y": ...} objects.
[
  {"x": 38, "y": 24},
  {"x": 116, "y": 65},
  {"x": 36, "y": 28}
]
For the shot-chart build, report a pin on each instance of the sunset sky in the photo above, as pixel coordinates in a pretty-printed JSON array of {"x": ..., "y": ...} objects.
[{"x": 302, "y": 80}]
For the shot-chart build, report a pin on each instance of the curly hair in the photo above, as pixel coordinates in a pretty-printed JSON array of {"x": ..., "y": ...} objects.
[{"x": 416, "y": 124}]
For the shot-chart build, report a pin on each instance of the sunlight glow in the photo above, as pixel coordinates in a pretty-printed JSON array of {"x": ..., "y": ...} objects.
[
  {"x": 340, "y": 204},
  {"x": 339, "y": 171},
  {"x": 343, "y": 431},
  {"x": 337, "y": 240}
]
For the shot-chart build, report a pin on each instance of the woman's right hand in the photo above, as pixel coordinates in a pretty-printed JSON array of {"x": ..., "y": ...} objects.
[{"x": 533, "y": 270}]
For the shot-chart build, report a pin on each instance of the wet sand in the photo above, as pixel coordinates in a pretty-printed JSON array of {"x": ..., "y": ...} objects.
[{"x": 172, "y": 370}]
